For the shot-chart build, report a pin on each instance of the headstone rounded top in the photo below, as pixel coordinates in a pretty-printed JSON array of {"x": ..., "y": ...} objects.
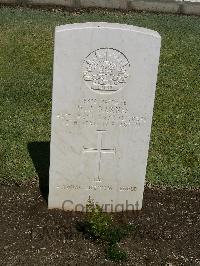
[{"x": 106, "y": 25}]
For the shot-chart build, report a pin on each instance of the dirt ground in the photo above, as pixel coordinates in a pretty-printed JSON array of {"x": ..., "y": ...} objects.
[{"x": 167, "y": 230}]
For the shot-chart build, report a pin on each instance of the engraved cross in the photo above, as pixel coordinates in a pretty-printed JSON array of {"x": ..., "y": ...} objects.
[{"x": 100, "y": 151}]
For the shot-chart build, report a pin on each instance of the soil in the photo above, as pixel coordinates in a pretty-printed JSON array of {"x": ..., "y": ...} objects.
[{"x": 167, "y": 230}]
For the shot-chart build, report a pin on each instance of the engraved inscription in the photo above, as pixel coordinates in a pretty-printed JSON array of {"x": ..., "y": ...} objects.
[
  {"x": 100, "y": 151},
  {"x": 100, "y": 187},
  {"x": 127, "y": 188},
  {"x": 95, "y": 187},
  {"x": 106, "y": 70},
  {"x": 102, "y": 113},
  {"x": 90, "y": 187}
]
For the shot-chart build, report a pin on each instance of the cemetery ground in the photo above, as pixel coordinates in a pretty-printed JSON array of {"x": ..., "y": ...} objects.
[{"x": 168, "y": 228}]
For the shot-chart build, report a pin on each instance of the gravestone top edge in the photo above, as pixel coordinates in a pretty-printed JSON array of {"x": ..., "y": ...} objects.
[{"x": 105, "y": 25}]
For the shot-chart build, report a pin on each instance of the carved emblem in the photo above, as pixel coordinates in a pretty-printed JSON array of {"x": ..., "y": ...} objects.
[{"x": 106, "y": 70}]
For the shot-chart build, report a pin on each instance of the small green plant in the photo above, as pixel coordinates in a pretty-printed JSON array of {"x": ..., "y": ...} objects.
[
  {"x": 114, "y": 253},
  {"x": 100, "y": 225}
]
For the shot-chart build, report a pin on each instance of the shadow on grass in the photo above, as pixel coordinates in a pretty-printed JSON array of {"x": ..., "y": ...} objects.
[{"x": 40, "y": 155}]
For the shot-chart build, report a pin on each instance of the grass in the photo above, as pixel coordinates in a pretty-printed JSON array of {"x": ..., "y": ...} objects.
[{"x": 26, "y": 56}]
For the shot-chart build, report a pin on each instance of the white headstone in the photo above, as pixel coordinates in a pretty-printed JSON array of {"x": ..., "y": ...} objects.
[{"x": 103, "y": 94}]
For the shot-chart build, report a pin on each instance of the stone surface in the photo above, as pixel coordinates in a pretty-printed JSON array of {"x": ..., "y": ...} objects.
[
  {"x": 118, "y": 4},
  {"x": 103, "y": 93},
  {"x": 155, "y": 6},
  {"x": 191, "y": 8},
  {"x": 66, "y": 3}
]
